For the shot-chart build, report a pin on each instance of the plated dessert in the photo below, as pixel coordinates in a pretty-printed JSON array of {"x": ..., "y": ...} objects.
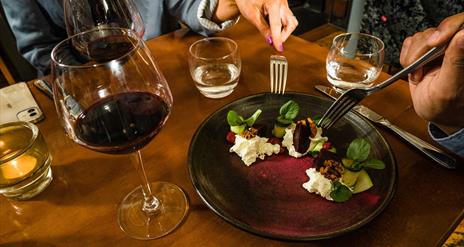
[
  {"x": 332, "y": 175},
  {"x": 267, "y": 197}
]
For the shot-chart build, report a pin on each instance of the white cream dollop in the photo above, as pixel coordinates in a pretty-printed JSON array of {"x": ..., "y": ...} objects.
[
  {"x": 318, "y": 139},
  {"x": 318, "y": 184},
  {"x": 288, "y": 141},
  {"x": 251, "y": 149}
]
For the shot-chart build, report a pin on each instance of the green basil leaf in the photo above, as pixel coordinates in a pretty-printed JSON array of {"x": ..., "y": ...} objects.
[
  {"x": 251, "y": 120},
  {"x": 374, "y": 164},
  {"x": 283, "y": 121},
  {"x": 289, "y": 110},
  {"x": 316, "y": 118},
  {"x": 358, "y": 150},
  {"x": 356, "y": 166},
  {"x": 233, "y": 119},
  {"x": 340, "y": 193}
]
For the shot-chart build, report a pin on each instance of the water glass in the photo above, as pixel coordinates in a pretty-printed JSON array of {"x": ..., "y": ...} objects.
[
  {"x": 355, "y": 60},
  {"x": 24, "y": 161},
  {"x": 215, "y": 66}
]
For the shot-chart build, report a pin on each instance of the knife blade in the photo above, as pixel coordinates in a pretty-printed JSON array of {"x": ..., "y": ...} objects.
[{"x": 428, "y": 149}]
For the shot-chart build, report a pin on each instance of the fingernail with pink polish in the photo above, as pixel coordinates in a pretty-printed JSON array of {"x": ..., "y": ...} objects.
[
  {"x": 281, "y": 47},
  {"x": 269, "y": 40}
]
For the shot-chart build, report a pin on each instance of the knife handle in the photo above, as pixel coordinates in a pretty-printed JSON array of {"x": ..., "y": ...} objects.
[{"x": 431, "y": 151}]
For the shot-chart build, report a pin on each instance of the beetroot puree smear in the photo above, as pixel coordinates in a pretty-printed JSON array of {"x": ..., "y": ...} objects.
[{"x": 284, "y": 207}]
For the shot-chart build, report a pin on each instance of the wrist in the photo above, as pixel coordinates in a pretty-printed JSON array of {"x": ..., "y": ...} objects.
[
  {"x": 225, "y": 10},
  {"x": 449, "y": 130}
]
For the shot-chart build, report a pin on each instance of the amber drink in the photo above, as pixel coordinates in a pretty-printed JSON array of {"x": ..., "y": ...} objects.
[{"x": 24, "y": 161}]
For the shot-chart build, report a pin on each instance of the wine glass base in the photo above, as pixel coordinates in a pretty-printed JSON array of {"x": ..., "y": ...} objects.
[{"x": 137, "y": 224}]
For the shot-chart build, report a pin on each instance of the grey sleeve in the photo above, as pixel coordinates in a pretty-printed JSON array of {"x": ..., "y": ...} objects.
[
  {"x": 34, "y": 30},
  {"x": 186, "y": 12}
]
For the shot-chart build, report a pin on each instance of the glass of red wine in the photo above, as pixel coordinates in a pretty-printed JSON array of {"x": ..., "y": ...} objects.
[
  {"x": 112, "y": 98},
  {"x": 84, "y": 15}
]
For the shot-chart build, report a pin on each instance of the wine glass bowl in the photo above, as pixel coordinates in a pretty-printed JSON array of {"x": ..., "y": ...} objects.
[
  {"x": 355, "y": 60},
  {"x": 84, "y": 15},
  {"x": 111, "y": 97}
]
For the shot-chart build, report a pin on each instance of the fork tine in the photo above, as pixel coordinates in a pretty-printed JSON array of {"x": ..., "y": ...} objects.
[
  {"x": 285, "y": 77},
  {"x": 276, "y": 77},
  {"x": 278, "y": 73},
  {"x": 339, "y": 113},
  {"x": 328, "y": 117},
  {"x": 339, "y": 108},
  {"x": 280, "y": 77},
  {"x": 271, "y": 69}
]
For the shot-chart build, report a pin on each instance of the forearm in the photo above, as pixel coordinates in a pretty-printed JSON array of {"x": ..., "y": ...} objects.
[
  {"x": 35, "y": 34},
  {"x": 225, "y": 10}
]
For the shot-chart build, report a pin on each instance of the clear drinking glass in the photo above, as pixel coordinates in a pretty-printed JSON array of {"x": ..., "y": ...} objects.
[
  {"x": 215, "y": 66},
  {"x": 355, "y": 60},
  {"x": 84, "y": 15},
  {"x": 111, "y": 97}
]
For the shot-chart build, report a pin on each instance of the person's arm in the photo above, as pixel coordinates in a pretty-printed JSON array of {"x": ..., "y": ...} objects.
[
  {"x": 273, "y": 18},
  {"x": 437, "y": 92},
  {"x": 454, "y": 141},
  {"x": 35, "y": 34},
  {"x": 196, "y": 14}
]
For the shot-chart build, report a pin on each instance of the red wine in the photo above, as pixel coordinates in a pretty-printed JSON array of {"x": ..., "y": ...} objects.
[
  {"x": 102, "y": 47},
  {"x": 109, "y": 47},
  {"x": 122, "y": 123}
]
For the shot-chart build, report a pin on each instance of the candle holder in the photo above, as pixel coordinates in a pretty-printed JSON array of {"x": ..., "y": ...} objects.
[{"x": 24, "y": 161}]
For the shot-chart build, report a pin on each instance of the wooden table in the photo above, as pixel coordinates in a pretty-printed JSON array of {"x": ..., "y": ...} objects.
[{"x": 79, "y": 208}]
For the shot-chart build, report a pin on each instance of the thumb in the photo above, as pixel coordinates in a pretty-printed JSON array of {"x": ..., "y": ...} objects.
[{"x": 453, "y": 63}]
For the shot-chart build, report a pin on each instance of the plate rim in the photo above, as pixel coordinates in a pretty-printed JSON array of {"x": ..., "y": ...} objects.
[{"x": 243, "y": 226}]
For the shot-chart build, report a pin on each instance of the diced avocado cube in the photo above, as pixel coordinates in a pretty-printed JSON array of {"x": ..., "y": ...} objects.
[
  {"x": 351, "y": 164},
  {"x": 238, "y": 129},
  {"x": 349, "y": 178},
  {"x": 363, "y": 182},
  {"x": 278, "y": 131}
]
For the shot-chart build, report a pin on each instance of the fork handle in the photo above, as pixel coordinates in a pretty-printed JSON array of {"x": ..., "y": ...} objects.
[{"x": 431, "y": 55}]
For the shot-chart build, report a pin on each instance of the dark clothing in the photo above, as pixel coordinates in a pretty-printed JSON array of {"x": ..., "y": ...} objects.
[
  {"x": 38, "y": 25},
  {"x": 393, "y": 20}
]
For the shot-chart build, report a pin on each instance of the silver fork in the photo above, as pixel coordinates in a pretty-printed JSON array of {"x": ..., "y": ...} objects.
[
  {"x": 353, "y": 96},
  {"x": 278, "y": 70}
]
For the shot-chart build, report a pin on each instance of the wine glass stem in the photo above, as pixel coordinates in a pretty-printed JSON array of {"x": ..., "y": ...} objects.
[{"x": 151, "y": 204}]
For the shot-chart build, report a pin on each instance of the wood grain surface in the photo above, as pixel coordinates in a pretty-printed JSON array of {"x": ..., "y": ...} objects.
[{"x": 79, "y": 207}]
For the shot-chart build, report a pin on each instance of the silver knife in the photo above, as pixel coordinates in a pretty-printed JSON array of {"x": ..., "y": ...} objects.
[{"x": 431, "y": 151}]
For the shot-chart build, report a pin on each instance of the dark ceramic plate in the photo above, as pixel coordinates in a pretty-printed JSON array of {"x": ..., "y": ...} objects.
[{"x": 267, "y": 198}]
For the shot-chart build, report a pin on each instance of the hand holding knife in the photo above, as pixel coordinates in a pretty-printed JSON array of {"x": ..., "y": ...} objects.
[{"x": 431, "y": 151}]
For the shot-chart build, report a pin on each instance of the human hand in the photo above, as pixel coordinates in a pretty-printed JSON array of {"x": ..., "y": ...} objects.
[
  {"x": 437, "y": 92},
  {"x": 282, "y": 22}
]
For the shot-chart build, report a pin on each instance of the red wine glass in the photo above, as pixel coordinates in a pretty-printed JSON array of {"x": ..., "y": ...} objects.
[
  {"x": 111, "y": 97},
  {"x": 84, "y": 15}
]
